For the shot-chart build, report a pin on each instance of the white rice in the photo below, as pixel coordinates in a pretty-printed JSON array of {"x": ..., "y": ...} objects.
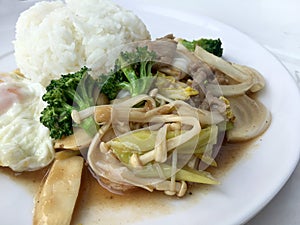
[{"x": 54, "y": 38}]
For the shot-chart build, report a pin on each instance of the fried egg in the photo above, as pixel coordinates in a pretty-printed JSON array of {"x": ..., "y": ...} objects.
[{"x": 25, "y": 143}]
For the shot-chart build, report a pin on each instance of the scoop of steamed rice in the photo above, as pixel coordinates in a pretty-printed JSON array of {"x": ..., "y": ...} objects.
[{"x": 54, "y": 38}]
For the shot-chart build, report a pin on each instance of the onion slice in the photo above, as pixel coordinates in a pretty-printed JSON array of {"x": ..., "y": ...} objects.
[
  {"x": 220, "y": 64},
  {"x": 259, "y": 81},
  {"x": 248, "y": 78},
  {"x": 252, "y": 118},
  {"x": 230, "y": 90}
]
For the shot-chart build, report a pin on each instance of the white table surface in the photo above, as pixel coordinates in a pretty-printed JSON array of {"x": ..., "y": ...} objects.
[{"x": 272, "y": 23}]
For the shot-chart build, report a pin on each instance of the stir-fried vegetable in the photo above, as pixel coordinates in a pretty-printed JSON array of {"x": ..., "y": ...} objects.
[
  {"x": 247, "y": 78},
  {"x": 132, "y": 72},
  {"x": 142, "y": 141},
  {"x": 162, "y": 125},
  {"x": 169, "y": 87},
  {"x": 57, "y": 198},
  {"x": 213, "y": 46},
  {"x": 71, "y": 91},
  {"x": 166, "y": 150},
  {"x": 248, "y": 111}
]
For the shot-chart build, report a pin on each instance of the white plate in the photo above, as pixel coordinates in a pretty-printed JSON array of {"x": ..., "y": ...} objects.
[{"x": 251, "y": 183}]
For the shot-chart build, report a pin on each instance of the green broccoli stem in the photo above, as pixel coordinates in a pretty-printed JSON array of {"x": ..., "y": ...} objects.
[
  {"x": 137, "y": 85},
  {"x": 132, "y": 72},
  {"x": 82, "y": 99},
  {"x": 149, "y": 67},
  {"x": 144, "y": 69},
  {"x": 146, "y": 76},
  {"x": 132, "y": 78},
  {"x": 86, "y": 88},
  {"x": 88, "y": 124}
]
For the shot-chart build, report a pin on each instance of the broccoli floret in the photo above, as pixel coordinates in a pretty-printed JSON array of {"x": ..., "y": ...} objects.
[
  {"x": 71, "y": 91},
  {"x": 213, "y": 46},
  {"x": 132, "y": 72},
  {"x": 109, "y": 83}
]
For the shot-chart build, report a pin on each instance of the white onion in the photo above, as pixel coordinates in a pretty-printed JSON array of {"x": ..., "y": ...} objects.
[{"x": 252, "y": 118}]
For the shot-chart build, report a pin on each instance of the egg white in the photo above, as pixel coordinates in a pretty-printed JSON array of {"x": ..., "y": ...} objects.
[{"x": 25, "y": 143}]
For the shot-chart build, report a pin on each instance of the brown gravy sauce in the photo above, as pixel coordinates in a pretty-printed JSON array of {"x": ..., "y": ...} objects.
[{"x": 96, "y": 205}]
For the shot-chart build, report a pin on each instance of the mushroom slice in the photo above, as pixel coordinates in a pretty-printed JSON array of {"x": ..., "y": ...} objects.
[
  {"x": 80, "y": 139},
  {"x": 56, "y": 201}
]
